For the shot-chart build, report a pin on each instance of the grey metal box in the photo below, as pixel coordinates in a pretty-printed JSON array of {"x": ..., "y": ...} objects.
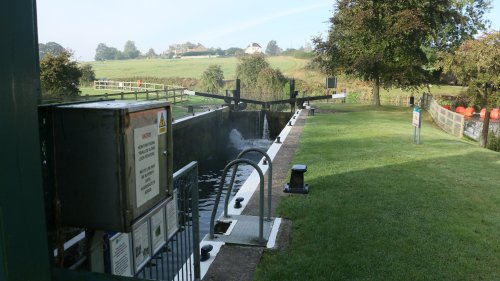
[{"x": 113, "y": 161}]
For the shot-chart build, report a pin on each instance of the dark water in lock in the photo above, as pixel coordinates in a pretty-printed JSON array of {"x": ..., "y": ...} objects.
[{"x": 210, "y": 173}]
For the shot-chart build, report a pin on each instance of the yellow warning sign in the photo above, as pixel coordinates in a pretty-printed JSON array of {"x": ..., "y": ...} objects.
[{"x": 162, "y": 122}]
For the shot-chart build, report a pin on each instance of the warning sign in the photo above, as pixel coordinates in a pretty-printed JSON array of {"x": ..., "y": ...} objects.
[
  {"x": 121, "y": 261},
  {"x": 162, "y": 122},
  {"x": 147, "y": 179}
]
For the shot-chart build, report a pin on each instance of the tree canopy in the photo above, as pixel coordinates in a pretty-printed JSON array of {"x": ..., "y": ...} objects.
[
  {"x": 476, "y": 63},
  {"x": 384, "y": 41},
  {"x": 104, "y": 52},
  {"x": 52, "y": 48},
  {"x": 273, "y": 49},
  {"x": 130, "y": 50},
  {"x": 59, "y": 75},
  {"x": 249, "y": 68},
  {"x": 212, "y": 79}
]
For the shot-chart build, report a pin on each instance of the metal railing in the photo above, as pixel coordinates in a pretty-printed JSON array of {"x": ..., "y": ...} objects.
[
  {"x": 172, "y": 94},
  {"x": 180, "y": 257}
]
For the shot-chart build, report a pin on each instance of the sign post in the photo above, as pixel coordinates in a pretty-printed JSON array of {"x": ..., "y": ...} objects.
[{"x": 417, "y": 123}]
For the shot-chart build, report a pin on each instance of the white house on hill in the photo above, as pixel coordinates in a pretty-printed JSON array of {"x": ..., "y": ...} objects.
[{"x": 253, "y": 48}]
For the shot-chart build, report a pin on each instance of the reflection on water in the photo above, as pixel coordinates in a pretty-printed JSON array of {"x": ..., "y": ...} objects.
[{"x": 210, "y": 173}]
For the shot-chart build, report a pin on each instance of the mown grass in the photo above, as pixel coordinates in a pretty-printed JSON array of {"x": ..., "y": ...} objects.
[
  {"x": 383, "y": 208},
  {"x": 192, "y": 68}
]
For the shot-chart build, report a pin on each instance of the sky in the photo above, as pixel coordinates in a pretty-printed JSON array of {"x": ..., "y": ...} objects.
[{"x": 82, "y": 25}]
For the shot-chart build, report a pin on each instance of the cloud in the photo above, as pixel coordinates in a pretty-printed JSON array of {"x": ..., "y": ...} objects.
[{"x": 241, "y": 26}]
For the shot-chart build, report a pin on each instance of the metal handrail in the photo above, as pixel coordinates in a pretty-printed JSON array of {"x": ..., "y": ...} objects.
[
  {"x": 269, "y": 180},
  {"x": 219, "y": 192}
]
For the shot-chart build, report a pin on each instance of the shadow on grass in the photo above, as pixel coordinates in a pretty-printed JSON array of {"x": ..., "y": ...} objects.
[{"x": 420, "y": 220}]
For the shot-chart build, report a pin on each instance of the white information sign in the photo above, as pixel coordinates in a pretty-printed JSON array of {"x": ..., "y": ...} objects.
[
  {"x": 147, "y": 176},
  {"x": 416, "y": 118},
  {"x": 158, "y": 229},
  {"x": 338, "y": 96},
  {"x": 121, "y": 261},
  {"x": 172, "y": 217},
  {"x": 142, "y": 251}
]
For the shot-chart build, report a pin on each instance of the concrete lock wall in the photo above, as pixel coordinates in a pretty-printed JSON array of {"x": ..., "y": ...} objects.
[
  {"x": 199, "y": 137},
  {"x": 473, "y": 128},
  {"x": 205, "y": 135},
  {"x": 250, "y": 123}
]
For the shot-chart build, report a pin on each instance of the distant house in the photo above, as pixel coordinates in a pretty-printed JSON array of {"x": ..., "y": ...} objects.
[
  {"x": 253, "y": 48},
  {"x": 198, "y": 48}
]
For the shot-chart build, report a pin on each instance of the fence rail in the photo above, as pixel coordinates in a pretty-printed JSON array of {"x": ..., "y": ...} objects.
[
  {"x": 450, "y": 122},
  {"x": 126, "y": 86},
  {"x": 173, "y": 94}
]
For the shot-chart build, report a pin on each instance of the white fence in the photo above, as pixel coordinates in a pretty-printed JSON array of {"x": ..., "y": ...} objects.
[
  {"x": 120, "y": 86},
  {"x": 450, "y": 122}
]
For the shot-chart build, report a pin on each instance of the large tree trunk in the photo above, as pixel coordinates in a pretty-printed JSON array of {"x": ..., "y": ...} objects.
[
  {"x": 376, "y": 91},
  {"x": 483, "y": 139}
]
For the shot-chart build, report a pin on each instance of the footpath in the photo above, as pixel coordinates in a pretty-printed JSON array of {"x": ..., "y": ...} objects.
[{"x": 235, "y": 262}]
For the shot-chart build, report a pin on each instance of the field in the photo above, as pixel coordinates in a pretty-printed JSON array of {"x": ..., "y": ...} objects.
[
  {"x": 383, "y": 208},
  {"x": 191, "y": 68},
  {"x": 291, "y": 67}
]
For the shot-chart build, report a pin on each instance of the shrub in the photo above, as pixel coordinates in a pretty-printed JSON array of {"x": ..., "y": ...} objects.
[{"x": 494, "y": 140}]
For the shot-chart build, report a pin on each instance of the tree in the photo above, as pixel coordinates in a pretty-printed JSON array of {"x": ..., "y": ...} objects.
[
  {"x": 272, "y": 48},
  {"x": 270, "y": 84},
  {"x": 59, "y": 75},
  {"x": 212, "y": 79},
  {"x": 130, "y": 51},
  {"x": 249, "y": 68},
  {"x": 49, "y": 48},
  {"x": 103, "y": 52},
  {"x": 234, "y": 51},
  {"x": 151, "y": 54},
  {"x": 382, "y": 41},
  {"x": 477, "y": 64},
  {"x": 88, "y": 75}
]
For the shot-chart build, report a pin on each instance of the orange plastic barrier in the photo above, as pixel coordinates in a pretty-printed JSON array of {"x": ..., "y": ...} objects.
[
  {"x": 482, "y": 113},
  {"x": 495, "y": 113},
  {"x": 469, "y": 111},
  {"x": 460, "y": 109}
]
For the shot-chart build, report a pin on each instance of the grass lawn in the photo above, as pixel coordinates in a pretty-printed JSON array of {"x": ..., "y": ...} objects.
[{"x": 383, "y": 208}]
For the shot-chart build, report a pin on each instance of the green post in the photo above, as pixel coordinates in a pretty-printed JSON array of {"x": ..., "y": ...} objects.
[{"x": 24, "y": 253}]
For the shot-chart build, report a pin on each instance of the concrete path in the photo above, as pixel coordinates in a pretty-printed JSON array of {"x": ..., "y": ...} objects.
[{"x": 239, "y": 262}]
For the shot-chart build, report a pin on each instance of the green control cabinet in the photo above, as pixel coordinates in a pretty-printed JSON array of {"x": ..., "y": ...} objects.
[{"x": 112, "y": 161}]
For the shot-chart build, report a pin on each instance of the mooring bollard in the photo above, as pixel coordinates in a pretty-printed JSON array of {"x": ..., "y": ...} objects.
[{"x": 296, "y": 184}]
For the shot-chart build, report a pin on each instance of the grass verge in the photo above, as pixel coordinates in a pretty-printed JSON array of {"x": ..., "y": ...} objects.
[{"x": 383, "y": 208}]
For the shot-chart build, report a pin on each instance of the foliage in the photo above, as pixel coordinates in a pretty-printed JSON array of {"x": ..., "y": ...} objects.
[
  {"x": 234, "y": 51},
  {"x": 300, "y": 54},
  {"x": 477, "y": 64},
  {"x": 130, "y": 50},
  {"x": 248, "y": 69},
  {"x": 59, "y": 75},
  {"x": 88, "y": 75},
  {"x": 151, "y": 54},
  {"x": 212, "y": 79},
  {"x": 104, "y": 52},
  {"x": 494, "y": 141},
  {"x": 383, "y": 41},
  {"x": 270, "y": 84},
  {"x": 273, "y": 49},
  {"x": 380, "y": 208},
  {"x": 199, "y": 53},
  {"x": 49, "y": 48}
]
